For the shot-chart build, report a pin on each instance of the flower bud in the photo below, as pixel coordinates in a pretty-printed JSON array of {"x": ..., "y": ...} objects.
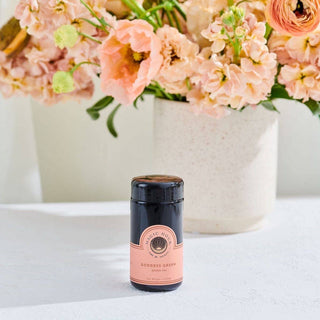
[
  {"x": 168, "y": 6},
  {"x": 240, "y": 32},
  {"x": 239, "y": 13},
  {"x": 228, "y": 18},
  {"x": 63, "y": 82},
  {"x": 66, "y": 36}
]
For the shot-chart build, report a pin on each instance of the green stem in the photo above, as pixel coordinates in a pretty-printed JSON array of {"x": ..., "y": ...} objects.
[
  {"x": 189, "y": 86},
  {"x": 179, "y": 9},
  {"x": 102, "y": 21},
  {"x": 93, "y": 24},
  {"x": 156, "y": 8},
  {"x": 269, "y": 31},
  {"x": 140, "y": 12},
  {"x": 159, "y": 21},
  {"x": 176, "y": 20},
  {"x": 89, "y": 37},
  {"x": 163, "y": 91},
  {"x": 237, "y": 50},
  {"x": 170, "y": 19},
  {"x": 242, "y": 1},
  {"x": 82, "y": 63}
]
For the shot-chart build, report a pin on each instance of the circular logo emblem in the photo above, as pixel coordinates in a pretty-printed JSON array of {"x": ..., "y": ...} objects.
[{"x": 158, "y": 245}]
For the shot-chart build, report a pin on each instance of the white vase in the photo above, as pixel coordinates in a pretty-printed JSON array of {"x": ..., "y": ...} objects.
[{"x": 229, "y": 165}]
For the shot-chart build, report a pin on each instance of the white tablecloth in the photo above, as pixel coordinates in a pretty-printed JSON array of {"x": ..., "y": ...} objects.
[{"x": 71, "y": 261}]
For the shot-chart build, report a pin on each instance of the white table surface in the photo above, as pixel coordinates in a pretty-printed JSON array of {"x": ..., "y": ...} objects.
[{"x": 71, "y": 261}]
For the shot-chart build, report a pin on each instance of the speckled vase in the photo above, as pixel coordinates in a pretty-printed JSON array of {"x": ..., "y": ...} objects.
[{"x": 229, "y": 165}]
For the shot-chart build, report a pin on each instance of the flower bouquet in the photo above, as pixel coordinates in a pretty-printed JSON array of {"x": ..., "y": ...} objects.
[{"x": 218, "y": 55}]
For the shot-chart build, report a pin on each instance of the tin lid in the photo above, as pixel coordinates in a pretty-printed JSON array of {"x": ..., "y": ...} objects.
[{"x": 157, "y": 188}]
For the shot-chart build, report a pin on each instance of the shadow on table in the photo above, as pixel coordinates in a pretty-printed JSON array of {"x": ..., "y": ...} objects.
[{"x": 46, "y": 259}]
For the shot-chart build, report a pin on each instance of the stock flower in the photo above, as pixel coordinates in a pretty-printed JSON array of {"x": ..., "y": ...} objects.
[
  {"x": 223, "y": 78},
  {"x": 202, "y": 103},
  {"x": 31, "y": 73},
  {"x": 293, "y": 17},
  {"x": 301, "y": 81},
  {"x": 179, "y": 55},
  {"x": 277, "y": 44},
  {"x": 66, "y": 36},
  {"x": 305, "y": 49},
  {"x": 43, "y": 17},
  {"x": 130, "y": 58},
  {"x": 256, "y": 7}
]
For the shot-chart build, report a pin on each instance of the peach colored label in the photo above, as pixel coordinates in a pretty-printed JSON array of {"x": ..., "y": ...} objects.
[{"x": 158, "y": 259}]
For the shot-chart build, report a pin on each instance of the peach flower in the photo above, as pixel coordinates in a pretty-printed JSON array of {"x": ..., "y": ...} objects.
[
  {"x": 304, "y": 49},
  {"x": 277, "y": 44},
  {"x": 221, "y": 80},
  {"x": 130, "y": 58},
  {"x": 179, "y": 54},
  {"x": 293, "y": 17},
  {"x": 202, "y": 103},
  {"x": 301, "y": 81},
  {"x": 255, "y": 7},
  {"x": 43, "y": 17}
]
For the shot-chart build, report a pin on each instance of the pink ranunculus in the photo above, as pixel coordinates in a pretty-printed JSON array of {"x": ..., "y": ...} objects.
[
  {"x": 130, "y": 58},
  {"x": 293, "y": 17}
]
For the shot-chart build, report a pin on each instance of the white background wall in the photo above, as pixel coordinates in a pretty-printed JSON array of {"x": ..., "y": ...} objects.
[{"x": 299, "y": 150}]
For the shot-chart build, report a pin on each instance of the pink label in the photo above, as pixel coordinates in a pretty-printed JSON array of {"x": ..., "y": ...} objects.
[{"x": 158, "y": 259}]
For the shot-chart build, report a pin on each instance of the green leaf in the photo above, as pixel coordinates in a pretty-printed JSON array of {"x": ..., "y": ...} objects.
[
  {"x": 110, "y": 121},
  {"x": 314, "y": 106},
  {"x": 268, "y": 31},
  {"x": 93, "y": 114},
  {"x": 135, "y": 103},
  {"x": 269, "y": 105},
  {"x": 279, "y": 91},
  {"x": 94, "y": 111}
]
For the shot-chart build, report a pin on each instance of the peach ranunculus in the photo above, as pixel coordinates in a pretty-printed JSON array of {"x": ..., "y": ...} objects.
[
  {"x": 130, "y": 58},
  {"x": 179, "y": 55},
  {"x": 293, "y": 17}
]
